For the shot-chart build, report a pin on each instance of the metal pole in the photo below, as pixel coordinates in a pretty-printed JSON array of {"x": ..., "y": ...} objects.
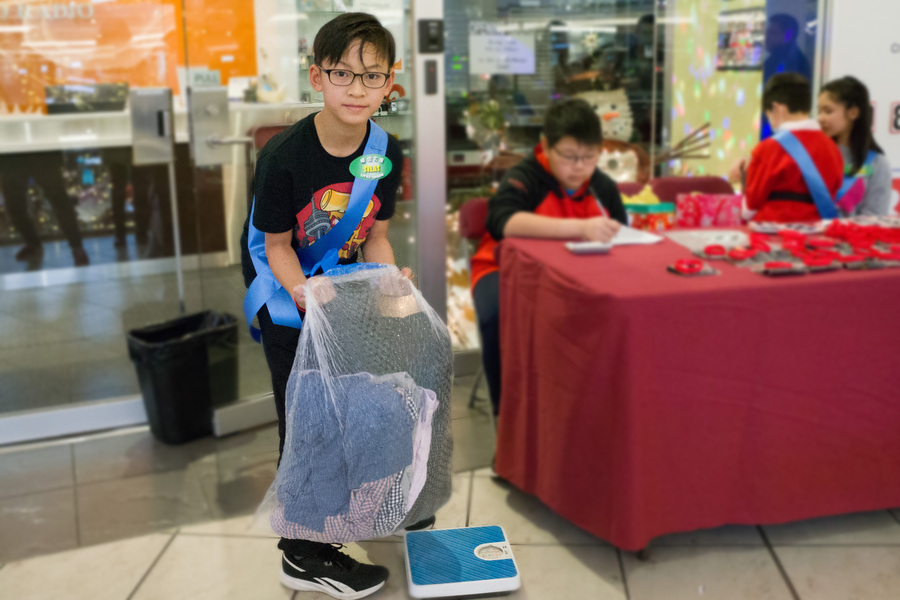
[
  {"x": 430, "y": 160},
  {"x": 176, "y": 232},
  {"x": 654, "y": 90}
]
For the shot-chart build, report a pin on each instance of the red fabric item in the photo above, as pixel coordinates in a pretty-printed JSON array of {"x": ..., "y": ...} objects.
[
  {"x": 484, "y": 261},
  {"x": 638, "y": 403},
  {"x": 472, "y": 215},
  {"x": 629, "y": 188},
  {"x": 773, "y": 170},
  {"x": 667, "y": 189}
]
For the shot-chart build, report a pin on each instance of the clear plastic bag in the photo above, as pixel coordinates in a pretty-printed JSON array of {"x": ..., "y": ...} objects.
[{"x": 368, "y": 447}]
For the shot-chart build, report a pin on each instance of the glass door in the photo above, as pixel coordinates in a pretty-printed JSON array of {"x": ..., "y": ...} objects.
[{"x": 87, "y": 250}]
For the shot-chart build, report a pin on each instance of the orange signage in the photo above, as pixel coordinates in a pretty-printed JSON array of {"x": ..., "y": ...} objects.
[{"x": 138, "y": 42}]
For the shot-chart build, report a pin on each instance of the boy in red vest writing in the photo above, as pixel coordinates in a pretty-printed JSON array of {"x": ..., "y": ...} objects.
[{"x": 557, "y": 192}]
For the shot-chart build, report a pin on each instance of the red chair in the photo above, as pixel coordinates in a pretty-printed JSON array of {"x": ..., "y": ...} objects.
[
  {"x": 472, "y": 215},
  {"x": 630, "y": 188},
  {"x": 668, "y": 188},
  {"x": 261, "y": 134}
]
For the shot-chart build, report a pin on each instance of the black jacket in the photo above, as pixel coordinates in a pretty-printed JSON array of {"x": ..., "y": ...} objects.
[{"x": 527, "y": 185}]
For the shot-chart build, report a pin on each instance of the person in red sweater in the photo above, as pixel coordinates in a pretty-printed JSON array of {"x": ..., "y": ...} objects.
[
  {"x": 774, "y": 186},
  {"x": 558, "y": 192}
]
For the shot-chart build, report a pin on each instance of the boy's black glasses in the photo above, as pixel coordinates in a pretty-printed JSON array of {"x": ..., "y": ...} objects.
[{"x": 343, "y": 77}]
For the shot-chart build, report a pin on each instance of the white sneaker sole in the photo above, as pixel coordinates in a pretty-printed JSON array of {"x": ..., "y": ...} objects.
[{"x": 301, "y": 585}]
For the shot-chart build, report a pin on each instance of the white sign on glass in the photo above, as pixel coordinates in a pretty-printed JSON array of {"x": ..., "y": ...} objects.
[{"x": 496, "y": 52}]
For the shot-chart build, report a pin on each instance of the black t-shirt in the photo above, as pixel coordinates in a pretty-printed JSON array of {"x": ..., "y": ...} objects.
[{"x": 300, "y": 187}]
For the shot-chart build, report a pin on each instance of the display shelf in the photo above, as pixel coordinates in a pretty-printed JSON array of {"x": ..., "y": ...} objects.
[{"x": 20, "y": 133}]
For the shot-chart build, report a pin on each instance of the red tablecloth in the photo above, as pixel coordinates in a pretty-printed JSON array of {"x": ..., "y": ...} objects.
[{"x": 638, "y": 403}]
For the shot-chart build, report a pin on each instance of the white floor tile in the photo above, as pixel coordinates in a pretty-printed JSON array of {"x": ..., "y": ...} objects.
[
  {"x": 859, "y": 528},
  {"x": 35, "y": 470},
  {"x": 226, "y": 568},
  {"x": 484, "y": 472},
  {"x": 105, "y": 572},
  {"x": 524, "y": 518},
  {"x": 705, "y": 574},
  {"x": 37, "y": 524},
  {"x": 122, "y": 508},
  {"x": 843, "y": 573},
  {"x": 453, "y": 514},
  {"x": 568, "y": 572},
  {"x": 237, "y": 526}
]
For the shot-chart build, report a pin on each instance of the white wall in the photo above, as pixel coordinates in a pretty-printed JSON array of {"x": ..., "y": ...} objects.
[
  {"x": 863, "y": 40},
  {"x": 276, "y": 36}
]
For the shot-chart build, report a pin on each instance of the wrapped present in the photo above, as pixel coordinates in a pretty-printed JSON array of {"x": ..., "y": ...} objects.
[
  {"x": 708, "y": 210},
  {"x": 651, "y": 217}
]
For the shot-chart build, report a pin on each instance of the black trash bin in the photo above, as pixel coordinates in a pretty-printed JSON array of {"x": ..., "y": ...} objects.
[{"x": 186, "y": 367}]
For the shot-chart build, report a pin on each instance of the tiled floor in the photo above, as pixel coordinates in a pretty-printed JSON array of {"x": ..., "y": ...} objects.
[{"x": 121, "y": 517}]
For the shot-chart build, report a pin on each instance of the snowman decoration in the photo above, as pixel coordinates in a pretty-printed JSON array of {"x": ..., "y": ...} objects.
[{"x": 618, "y": 158}]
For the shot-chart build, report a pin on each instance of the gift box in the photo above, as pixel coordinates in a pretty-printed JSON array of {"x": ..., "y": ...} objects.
[
  {"x": 708, "y": 210},
  {"x": 651, "y": 217}
]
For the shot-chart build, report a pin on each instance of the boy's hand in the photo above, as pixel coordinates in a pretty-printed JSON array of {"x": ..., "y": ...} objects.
[
  {"x": 320, "y": 286},
  {"x": 400, "y": 284},
  {"x": 599, "y": 229}
]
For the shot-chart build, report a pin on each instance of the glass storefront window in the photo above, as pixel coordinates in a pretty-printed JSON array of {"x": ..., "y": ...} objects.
[
  {"x": 87, "y": 242},
  {"x": 677, "y": 85}
]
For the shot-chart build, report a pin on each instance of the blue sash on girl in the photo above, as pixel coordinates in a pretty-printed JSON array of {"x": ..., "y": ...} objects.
[
  {"x": 817, "y": 188},
  {"x": 265, "y": 290}
]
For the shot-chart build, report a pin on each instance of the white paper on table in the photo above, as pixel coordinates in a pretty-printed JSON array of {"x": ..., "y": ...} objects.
[
  {"x": 628, "y": 236},
  {"x": 696, "y": 240}
]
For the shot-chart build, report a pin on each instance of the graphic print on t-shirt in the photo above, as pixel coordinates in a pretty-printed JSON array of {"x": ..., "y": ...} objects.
[{"x": 327, "y": 207}]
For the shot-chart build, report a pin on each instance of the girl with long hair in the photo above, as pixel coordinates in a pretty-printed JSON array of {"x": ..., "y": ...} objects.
[{"x": 845, "y": 114}]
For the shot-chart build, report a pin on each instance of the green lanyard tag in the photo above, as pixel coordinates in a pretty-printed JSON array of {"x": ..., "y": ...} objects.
[{"x": 371, "y": 166}]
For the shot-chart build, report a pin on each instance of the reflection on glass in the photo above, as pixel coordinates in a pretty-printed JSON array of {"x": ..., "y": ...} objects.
[
  {"x": 71, "y": 197},
  {"x": 506, "y": 64}
]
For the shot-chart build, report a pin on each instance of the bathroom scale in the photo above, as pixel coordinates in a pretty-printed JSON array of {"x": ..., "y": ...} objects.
[{"x": 468, "y": 561}]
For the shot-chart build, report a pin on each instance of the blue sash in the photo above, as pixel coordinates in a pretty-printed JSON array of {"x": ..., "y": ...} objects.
[
  {"x": 265, "y": 290},
  {"x": 817, "y": 188},
  {"x": 850, "y": 180}
]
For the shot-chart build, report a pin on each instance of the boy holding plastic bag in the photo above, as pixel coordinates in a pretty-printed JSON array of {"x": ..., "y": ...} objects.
[{"x": 313, "y": 212}]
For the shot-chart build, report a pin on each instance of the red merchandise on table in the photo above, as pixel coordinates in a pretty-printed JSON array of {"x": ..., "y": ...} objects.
[
  {"x": 637, "y": 404},
  {"x": 708, "y": 210}
]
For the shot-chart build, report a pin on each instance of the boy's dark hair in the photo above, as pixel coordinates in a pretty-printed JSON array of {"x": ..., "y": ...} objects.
[
  {"x": 790, "y": 89},
  {"x": 852, "y": 93},
  {"x": 575, "y": 118},
  {"x": 788, "y": 24},
  {"x": 339, "y": 34}
]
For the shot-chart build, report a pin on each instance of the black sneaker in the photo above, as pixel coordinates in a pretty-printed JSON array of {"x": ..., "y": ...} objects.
[{"x": 332, "y": 572}]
